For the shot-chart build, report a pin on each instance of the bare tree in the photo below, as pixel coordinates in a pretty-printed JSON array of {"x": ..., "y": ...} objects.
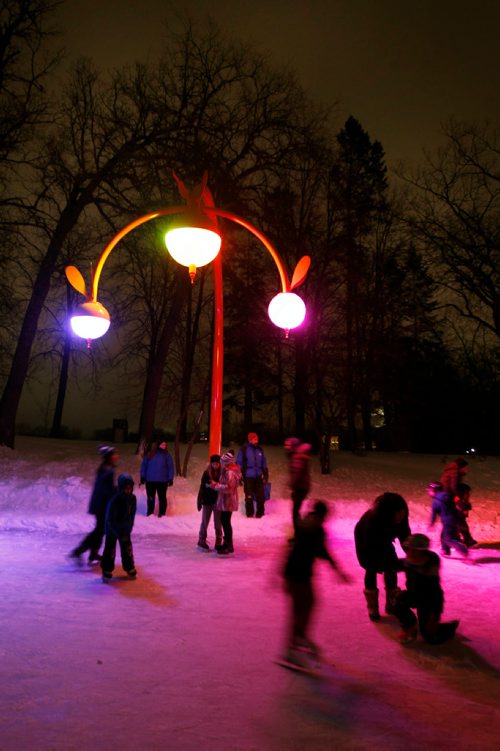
[{"x": 457, "y": 219}]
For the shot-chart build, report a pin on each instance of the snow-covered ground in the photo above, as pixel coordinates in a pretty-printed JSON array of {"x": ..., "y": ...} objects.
[{"x": 182, "y": 658}]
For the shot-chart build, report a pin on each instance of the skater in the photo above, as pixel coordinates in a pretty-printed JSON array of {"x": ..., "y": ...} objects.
[
  {"x": 252, "y": 460},
  {"x": 423, "y": 593},
  {"x": 443, "y": 506},
  {"x": 104, "y": 488},
  {"x": 463, "y": 506},
  {"x": 119, "y": 524},
  {"x": 157, "y": 472},
  {"x": 227, "y": 499},
  {"x": 309, "y": 544},
  {"x": 453, "y": 474},
  {"x": 299, "y": 475},
  {"x": 207, "y": 498},
  {"x": 374, "y": 535}
]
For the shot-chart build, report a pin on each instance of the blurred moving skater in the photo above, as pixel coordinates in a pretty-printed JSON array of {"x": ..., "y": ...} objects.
[{"x": 308, "y": 545}]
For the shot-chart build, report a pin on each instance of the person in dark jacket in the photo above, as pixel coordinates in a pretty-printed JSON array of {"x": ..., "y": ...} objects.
[
  {"x": 104, "y": 488},
  {"x": 299, "y": 474},
  {"x": 309, "y": 544},
  {"x": 443, "y": 506},
  {"x": 207, "y": 498},
  {"x": 423, "y": 593},
  {"x": 157, "y": 472},
  {"x": 119, "y": 523},
  {"x": 252, "y": 460},
  {"x": 453, "y": 475},
  {"x": 374, "y": 535},
  {"x": 463, "y": 507}
]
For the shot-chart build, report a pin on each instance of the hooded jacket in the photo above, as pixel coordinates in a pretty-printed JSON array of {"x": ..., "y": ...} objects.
[{"x": 121, "y": 511}]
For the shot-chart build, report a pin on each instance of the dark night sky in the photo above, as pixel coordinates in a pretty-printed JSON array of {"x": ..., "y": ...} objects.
[{"x": 401, "y": 68}]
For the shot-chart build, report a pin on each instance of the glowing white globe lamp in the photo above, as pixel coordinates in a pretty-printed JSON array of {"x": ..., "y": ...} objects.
[
  {"x": 90, "y": 321},
  {"x": 192, "y": 246},
  {"x": 287, "y": 310}
]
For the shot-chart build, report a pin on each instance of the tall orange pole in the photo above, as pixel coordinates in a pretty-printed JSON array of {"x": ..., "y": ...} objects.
[{"x": 215, "y": 431}]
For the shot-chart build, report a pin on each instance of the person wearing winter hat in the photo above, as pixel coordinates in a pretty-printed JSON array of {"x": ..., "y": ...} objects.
[
  {"x": 453, "y": 474},
  {"x": 374, "y": 535},
  {"x": 207, "y": 499},
  {"x": 227, "y": 498},
  {"x": 299, "y": 475},
  {"x": 252, "y": 460},
  {"x": 157, "y": 472},
  {"x": 423, "y": 593},
  {"x": 104, "y": 487},
  {"x": 120, "y": 517}
]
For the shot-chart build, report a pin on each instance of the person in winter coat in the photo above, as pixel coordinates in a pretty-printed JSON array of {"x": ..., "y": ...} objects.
[
  {"x": 253, "y": 463},
  {"x": 443, "y": 505},
  {"x": 453, "y": 474},
  {"x": 227, "y": 498},
  {"x": 308, "y": 545},
  {"x": 157, "y": 471},
  {"x": 463, "y": 506},
  {"x": 207, "y": 499},
  {"x": 299, "y": 474},
  {"x": 423, "y": 593},
  {"x": 374, "y": 535},
  {"x": 103, "y": 490},
  {"x": 120, "y": 517}
]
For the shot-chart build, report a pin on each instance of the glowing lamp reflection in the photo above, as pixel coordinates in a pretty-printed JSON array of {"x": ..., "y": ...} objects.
[
  {"x": 287, "y": 310},
  {"x": 192, "y": 246},
  {"x": 90, "y": 321}
]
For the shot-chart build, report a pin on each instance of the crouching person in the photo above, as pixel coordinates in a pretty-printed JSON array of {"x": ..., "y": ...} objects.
[
  {"x": 423, "y": 593},
  {"x": 119, "y": 523}
]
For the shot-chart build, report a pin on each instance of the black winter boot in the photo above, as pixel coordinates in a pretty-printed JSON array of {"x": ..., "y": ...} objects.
[{"x": 371, "y": 596}]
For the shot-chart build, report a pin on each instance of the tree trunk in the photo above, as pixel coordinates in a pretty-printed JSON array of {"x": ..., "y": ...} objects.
[
  {"x": 11, "y": 397},
  {"x": 158, "y": 358},
  {"x": 55, "y": 430}
]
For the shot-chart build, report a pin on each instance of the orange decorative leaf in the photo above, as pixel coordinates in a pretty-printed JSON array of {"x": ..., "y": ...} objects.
[
  {"x": 76, "y": 280},
  {"x": 300, "y": 272}
]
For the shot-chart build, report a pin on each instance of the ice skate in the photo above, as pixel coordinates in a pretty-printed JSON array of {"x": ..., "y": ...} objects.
[
  {"x": 408, "y": 635},
  {"x": 107, "y": 576}
]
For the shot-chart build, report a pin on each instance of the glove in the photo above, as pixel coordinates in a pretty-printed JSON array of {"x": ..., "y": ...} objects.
[{"x": 170, "y": 483}]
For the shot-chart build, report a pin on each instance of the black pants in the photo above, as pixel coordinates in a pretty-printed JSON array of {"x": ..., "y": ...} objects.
[
  {"x": 298, "y": 497},
  {"x": 225, "y": 517},
  {"x": 390, "y": 578},
  {"x": 302, "y": 596},
  {"x": 254, "y": 486},
  {"x": 126, "y": 551},
  {"x": 428, "y": 616},
  {"x": 93, "y": 540},
  {"x": 152, "y": 488}
]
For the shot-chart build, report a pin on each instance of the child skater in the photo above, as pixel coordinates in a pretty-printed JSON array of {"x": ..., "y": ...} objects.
[
  {"x": 463, "y": 506},
  {"x": 308, "y": 545},
  {"x": 423, "y": 593},
  {"x": 443, "y": 506},
  {"x": 119, "y": 524},
  {"x": 374, "y": 535}
]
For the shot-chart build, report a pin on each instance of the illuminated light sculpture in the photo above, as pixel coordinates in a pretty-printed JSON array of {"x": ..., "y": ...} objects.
[{"x": 193, "y": 240}]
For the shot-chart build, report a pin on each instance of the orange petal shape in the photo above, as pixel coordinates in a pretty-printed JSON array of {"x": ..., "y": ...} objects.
[
  {"x": 76, "y": 279},
  {"x": 300, "y": 272}
]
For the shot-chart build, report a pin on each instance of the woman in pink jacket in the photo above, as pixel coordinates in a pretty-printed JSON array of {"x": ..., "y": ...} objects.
[{"x": 227, "y": 500}]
